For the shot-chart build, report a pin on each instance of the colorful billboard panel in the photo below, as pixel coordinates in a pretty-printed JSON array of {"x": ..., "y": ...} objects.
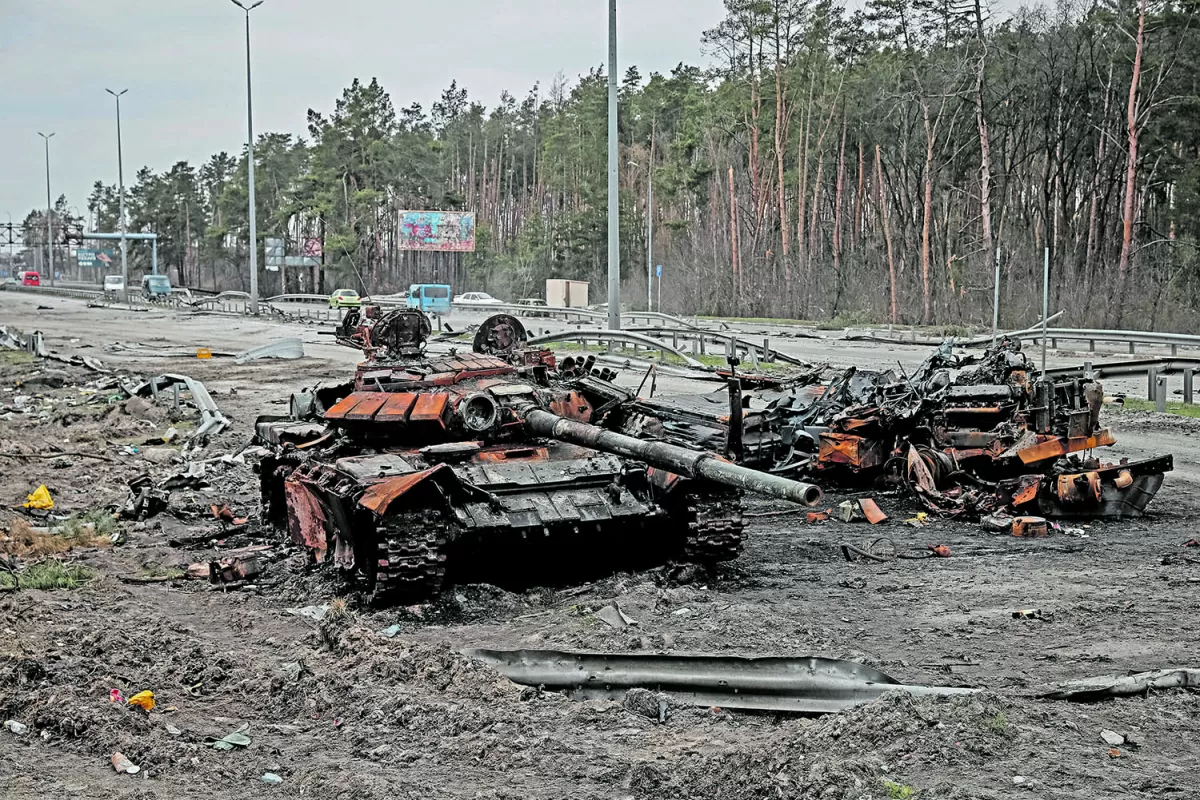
[{"x": 439, "y": 231}]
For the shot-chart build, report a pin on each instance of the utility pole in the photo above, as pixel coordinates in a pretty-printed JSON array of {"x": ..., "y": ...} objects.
[
  {"x": 250, "y": 162},
  {"x": 614, "y": 199},
  {"x": 121, "y": 204},
  {"x": 49, "y": 210},
  {"x": 650, "y": 233}
]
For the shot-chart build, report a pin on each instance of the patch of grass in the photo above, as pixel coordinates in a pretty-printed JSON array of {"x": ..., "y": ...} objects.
[
  {"x": 159, "y": 571},
  {"x": 762, "y": 320},
  {"x": 15, "y": 357},
  {"x": 846, "y": 319},
  {"x": 88, "y": 529},
  {"x": 898, "y": 791},
  {"x": 998, "y": 723},
  {"x": 1138, "y": 404},
  {"x": 48, "y": 574}
]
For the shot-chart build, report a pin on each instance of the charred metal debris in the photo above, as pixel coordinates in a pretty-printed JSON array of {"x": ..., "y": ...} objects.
[
  {"x": 430, "y": 468},
  {"x": 966, "y": 435},
  {"x": 505, "y": 461}
]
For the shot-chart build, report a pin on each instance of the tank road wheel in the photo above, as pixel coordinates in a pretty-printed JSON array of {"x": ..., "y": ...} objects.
[
  {"x": 714, "y": 527},
  {"x": 410, "y": 557}
]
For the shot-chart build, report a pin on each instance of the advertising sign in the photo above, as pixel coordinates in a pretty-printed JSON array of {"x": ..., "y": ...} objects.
[
  {"x": 85, "y": 257},
  {"x": 439, "y": 231}
]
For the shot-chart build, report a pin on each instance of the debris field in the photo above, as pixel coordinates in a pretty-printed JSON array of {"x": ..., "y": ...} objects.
[{"x": 163, "y": 637}]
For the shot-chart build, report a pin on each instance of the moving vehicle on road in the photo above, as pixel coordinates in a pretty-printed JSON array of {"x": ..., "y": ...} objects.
[
  {"x": 345, "y": 298},
  {"x": 477, "y": 299},
  {"x": 29, "y": 278},
  {"x": 156, "y": 287},
  {"x": 114, "y": 285},
  {"x": 532, "y": 303},
  {"x": 432, "y": 298}
]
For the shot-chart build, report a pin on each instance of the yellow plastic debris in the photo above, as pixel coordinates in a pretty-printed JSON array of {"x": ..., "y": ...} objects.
[
  {"x": 203, "y": 352},
  {"x": 143, "y": 700},
  {"x": 40, "y": 499}
]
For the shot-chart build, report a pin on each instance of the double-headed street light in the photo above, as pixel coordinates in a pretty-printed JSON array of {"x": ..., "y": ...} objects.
[
  {"x": 49, "y": 209},
  {"x": 121, "y": 183},
  {"x": 250, "y": 161}
]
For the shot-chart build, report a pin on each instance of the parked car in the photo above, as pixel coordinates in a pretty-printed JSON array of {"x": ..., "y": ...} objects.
[
  {"x": 532, "y": 303},
  {"x": 156, "y": 287},
  {"x": 477, "y": 299},
  {"x": 432, "y": 298},
  {"x": 29, "y": 278},
  {"x": 345, "y": 298},
  {"x": 114, "y": 285}
]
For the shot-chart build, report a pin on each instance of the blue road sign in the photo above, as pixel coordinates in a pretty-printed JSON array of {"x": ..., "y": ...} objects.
[{"x": 658, "y": 273}]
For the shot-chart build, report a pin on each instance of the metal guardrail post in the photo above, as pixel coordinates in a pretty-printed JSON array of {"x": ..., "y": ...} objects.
[
  {"x": 1087, "y": 370},
  {"x": 1151, "y": 383},
  {"x": 1174, "y": 349},
  {"x": 1161, "y": 398},
  {"x": 1187, "y": 387},
  {"x": 1091, "y": 345},
  {"x": 1132, "y": 348}
]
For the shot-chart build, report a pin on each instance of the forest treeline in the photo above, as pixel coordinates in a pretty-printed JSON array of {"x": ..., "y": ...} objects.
[{"x": 869, "y": 165}]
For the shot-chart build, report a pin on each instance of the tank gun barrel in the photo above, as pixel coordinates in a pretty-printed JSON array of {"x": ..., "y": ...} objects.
[{"x": 680, "y": 460}]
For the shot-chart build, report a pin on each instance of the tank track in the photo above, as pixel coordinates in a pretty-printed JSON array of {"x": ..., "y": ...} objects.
[
  {"x": 714, "y": 528},
  {"x": 410, "y": 557}
]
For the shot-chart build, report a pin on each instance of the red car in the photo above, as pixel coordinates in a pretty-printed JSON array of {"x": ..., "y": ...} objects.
[{"x": 29, "y": 278}]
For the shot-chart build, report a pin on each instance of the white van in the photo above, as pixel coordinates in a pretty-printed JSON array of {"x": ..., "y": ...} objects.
[{"x": 114, "y": 285}]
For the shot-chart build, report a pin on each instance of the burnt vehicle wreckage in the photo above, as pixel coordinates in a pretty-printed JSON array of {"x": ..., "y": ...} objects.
[
  {"x": 967, "y": 435},
  {"x": 432, "y": 468},
  {"x": 507, "y": 462}
]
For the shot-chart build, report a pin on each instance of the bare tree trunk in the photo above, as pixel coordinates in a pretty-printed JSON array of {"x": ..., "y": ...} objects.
[
  {"x": 927, "y": 215},
  {"x": 733, "y": 237},
  {"x": 779, "y": 143},
  {"x": 887, "y": 234},
  {"x": 1131, "y": 166},
  {"x": 985, "y": 169},
  {"x": 837, "y": 218}
]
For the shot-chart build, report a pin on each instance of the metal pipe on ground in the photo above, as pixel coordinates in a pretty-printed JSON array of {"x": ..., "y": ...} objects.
[
  {"x": 800, "y": 685},
  {"x": 680, "y": 460}
]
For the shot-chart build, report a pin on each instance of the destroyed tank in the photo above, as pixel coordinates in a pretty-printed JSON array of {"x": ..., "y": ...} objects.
[{"x": 430, "y": 469}]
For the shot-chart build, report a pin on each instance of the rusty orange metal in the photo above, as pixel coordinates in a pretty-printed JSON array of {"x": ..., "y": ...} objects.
[
  {"x": 1030, "y": 527},
  {"x": 1082, "y": 488},
  {"x": 510, "y": 454},
  {"x": 366, "y": 408},
  {"x": 1055, "y": 446},
  {"x": 306, "y": 518},
  {"x": 872, "y": 511},
  {"x": 397, "y": 407},
  {"x": 573, "y": 406},
  {"x": 430, "y": 408},
  {"x": 1027, "y": 492},
  {"x": 843, "y": 449},
  {"x": 379, "y": 496},
  {"x": 343, "y": 406}
]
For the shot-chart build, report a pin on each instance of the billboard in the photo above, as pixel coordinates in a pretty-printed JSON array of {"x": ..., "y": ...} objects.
[
  {"x": 85, "y": 257},
  {"x": 439, "y": 231}
]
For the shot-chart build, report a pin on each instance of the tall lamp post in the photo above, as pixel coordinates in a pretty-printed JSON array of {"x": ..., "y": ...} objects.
[
  {"x": 614, "y": 199},
  {"x": 49, "y": 210},
  {"x": 649, "y": 234},
  {"x": 121, "y": 204},
  {"x": 250, "y": 161}
]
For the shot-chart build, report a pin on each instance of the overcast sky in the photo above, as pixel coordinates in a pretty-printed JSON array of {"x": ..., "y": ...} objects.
[{"x": 183, "y": 62}]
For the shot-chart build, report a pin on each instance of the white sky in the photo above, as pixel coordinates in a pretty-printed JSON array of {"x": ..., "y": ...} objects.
[{"x": 183, "y": 62}]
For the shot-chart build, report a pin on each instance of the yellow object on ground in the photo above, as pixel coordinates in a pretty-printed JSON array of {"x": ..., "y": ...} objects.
[
  {"x": 40, "y": 499},
  {"x": 143, "y": 700},
  {"x": 203, "y": 352}
]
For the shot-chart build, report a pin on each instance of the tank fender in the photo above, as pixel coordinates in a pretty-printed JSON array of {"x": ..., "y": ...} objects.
[{"x": 379, "y": 497}]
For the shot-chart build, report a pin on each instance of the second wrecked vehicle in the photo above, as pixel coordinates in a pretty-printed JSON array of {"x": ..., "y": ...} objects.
[{"x": 428, "y": 469}]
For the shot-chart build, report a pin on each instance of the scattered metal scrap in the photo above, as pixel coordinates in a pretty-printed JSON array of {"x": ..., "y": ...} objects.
[
  {"x": 803, "y": 685},
  {"x": 1109, "y": 686},
  {"x": 964, "y": 434},
  {"x": 212, "y": 421}
]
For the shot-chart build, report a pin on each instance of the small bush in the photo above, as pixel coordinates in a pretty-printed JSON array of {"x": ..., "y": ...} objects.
[{"x": 898, "y": 791}]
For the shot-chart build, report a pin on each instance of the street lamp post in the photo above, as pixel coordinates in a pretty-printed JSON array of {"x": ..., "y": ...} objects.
[
  {"x": 614, "y": 199},
  {"x": 250, "y": 162},
  {"x": 649, "y": 235},
  {"x": 49, "y": 210},
  {"x": 121, "y": 204}
]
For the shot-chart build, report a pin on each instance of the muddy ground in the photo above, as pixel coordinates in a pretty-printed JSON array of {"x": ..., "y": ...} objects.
[{"x": 338, "y": 710}]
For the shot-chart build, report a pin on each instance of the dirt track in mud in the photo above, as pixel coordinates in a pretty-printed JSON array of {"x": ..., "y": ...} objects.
[{"x": 340, "y": 711}]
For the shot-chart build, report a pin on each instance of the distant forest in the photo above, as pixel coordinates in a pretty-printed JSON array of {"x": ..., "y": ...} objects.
[{"x": 861, "y": 166}]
